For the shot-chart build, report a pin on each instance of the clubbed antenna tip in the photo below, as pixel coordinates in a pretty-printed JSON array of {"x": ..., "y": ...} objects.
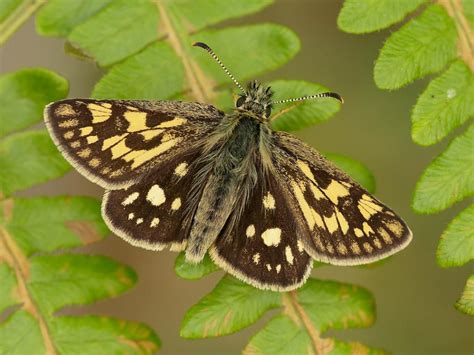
[{"x": 309, "y": 97}]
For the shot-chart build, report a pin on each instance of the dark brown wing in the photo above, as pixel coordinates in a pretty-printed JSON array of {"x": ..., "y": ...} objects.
[
  {"x": 113, "y": 142},
  {"x": 263, "y": 247},
  {"x": 345, "y": 225}
]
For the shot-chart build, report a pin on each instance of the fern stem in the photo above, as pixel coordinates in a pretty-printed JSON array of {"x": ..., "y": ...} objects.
[
  {"x": 12, "y": 254},
  {"x": 18, "y": 17},
  {"x": 297, "y": 313},
  {"x": 195, "y": 77},
  {"x": 465, "y": 33}
]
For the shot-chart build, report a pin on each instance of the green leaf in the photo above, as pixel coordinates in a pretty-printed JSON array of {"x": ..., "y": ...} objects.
[
  {"x": 99, "y": 335},
  {"x": 231, "y": 306},
  {"x": 39, "y": 157},
  {"x": 448, "y": 179},
  {"x": 362, "y": 16},
  {"x": 44, "y": 224},
  {"x": 446, "y": 104},
  {"x": 466, "y": 302},
  {"x": 131, "y": 78},
  {"x": 422, "y": 46},
  {"x": 297, "y": 115},
  {"x": 358, "y": 171},
  {"x": 58, "y": 17},
  {"x": 21, "y": 334},
  {"x": 456, "y": 247},
  {"x": 9, "y": 296},
  {"x": 7, "y": 7},
  {"x": 24, "y": 94},
  {"x": 309, "y": 312},
  {"x": 118, "y": 31},
  {"x": 190, "y": 271},
  {"x": 468, "y": 8}
]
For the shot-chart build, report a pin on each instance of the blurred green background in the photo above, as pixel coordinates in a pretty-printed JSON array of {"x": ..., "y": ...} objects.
[{"x": 415, "y": 312}]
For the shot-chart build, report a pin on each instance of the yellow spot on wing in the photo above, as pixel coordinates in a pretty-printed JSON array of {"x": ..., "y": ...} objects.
[
  {"x": 177, "y": 121},
  {"x": 92, "y": 139},
  {"x": 342, "y": 221},
  {"x": 355, "y": 248},
  {"x": 64, "y": 110},
  {"x": 385, "y": 236},
  {"x": 336, "y": 190},
  {"x": 119, "y": 149},
  {"x": 94, "y": 163},
  {"x": 99, "y": 113},
  {"x": 318, "y": 195},
  {"x": 85, "y": 153},
  {"x": 395, "y": 227},
  {"x": 152, "y": 133},
  {"x": 307, "y": 211},
  {"x": 269, "y": 201},
  {"x": 289, "y": 255},
  {"x": 272, "y": 237},
  {"x": 358, "y": 232},
  {"x": 342, "y": 249},
  {"x": 136, "y": 120},
  {"x": 304, "y": 167},
  {"x": 111, "y": 141},
  {"x": 68, "y": 135},
  {"x": 331, "y": 223},
  {"x": 68, "y": 123},
  {"x": 181, "y": 170},
  {"x": 85, "y": 131},
  {"x": 154, "y": 152},
  {"x": 367, "y": 229}
]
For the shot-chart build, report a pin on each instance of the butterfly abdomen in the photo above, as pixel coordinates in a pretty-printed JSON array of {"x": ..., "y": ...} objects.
[{"x": 233, "y": 160}]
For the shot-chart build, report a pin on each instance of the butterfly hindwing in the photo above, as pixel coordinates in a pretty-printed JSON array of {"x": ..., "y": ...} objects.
[
  {"x": 263, "y": 248},
  {"x": 114, "y": 142},
  {"x": 154, "y": 213},
  {"x": 345, "y": 224}
]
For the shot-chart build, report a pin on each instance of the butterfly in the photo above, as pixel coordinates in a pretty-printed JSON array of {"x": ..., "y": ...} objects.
[{"x": 189, "y": 177}]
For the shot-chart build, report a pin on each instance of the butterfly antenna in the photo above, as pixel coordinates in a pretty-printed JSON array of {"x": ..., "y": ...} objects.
[
  {"x": 309, "y": 97},
  {"x": 216, "y": 58}
]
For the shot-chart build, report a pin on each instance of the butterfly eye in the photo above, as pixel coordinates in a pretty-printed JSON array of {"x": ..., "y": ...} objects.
[
  {"x": 268, "y": 111},
  {"x": 240, "y": 101}
]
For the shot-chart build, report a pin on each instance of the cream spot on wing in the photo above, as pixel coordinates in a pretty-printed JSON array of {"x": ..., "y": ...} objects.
[
  {"x": 85, "y": 153},
  {"x": 118, "y": 149},
  {"x": 318, "y": 195},
  {"x": 309, "y": 214},
  {"x": 331, "y": 223},
  {"x": 106, "y": 104},
  {"x": 335, "y": 190},
  {"x": 139, "y": 220},
  {"x": 64, "y": 110},
  {"x": 68, "y": 123},
  {"x": 355, "y": 248},
  {"x": 368, "y": 248},
  {"x": 94, "y": 162},
  {"x": 75, "y": 144},
  {"x": 176, "y": 204},
  {"x": 136, "y": 121},
  {"x": 300, "y": 246},
  {"x": 269, "y": 267},
  {"x": 342, "y": 221},
  {"x": 105, "y": 170},
  {"x": 100, "y": 113},
  {"x": 358, "y": 232},
  {"x": 385, "y": 236},
  {"x": 395, "y": 227},
  {"x": 68, "y": 135},
  {"x": 131, "y": 216},
  {"x": 85, "y": 131},
  {"x": 342, "y": 249},
  {"x": 367, "y": 229},
  {"x": 154, "y": 222},
  {"x": 278, "y": 268},
  {"x": 143, "y": 156},
  {"x": 272, "y": 236},
  {"x": 256, "y": 258},
  {"x": 152, "y": 133},
  {"x": 304, "y": 167},
  {"x": 92, "y": 139},
  {"x": 250, "y": 231},
  {"x": 177, "y": 121},
  {"x": 181, "y": 170},
  {"x": 330, "y": 249},
  {"x": 377, "y": 243},
  {"x": 130, "y": 199},
  {"x": 289, "y": 255},
  {"x": 269, "y": 201},
  {"x": 107, "y": 143},
  {"x": 156, "y": 195},
  {"x": 131, "y": 108}
]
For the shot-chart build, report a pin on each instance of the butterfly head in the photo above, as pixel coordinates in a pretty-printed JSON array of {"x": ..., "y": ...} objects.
[{"x": 256, "y": 99}]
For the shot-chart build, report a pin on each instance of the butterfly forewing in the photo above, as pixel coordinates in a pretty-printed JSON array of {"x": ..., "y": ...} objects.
[
  {"x": 264, "y": 247},
  {"x": 345, "y": 224},
  {"x": 114, "y": 142}
]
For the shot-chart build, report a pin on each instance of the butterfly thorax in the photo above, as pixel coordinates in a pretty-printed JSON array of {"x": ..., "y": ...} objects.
[{"x": 232, "y": 166}]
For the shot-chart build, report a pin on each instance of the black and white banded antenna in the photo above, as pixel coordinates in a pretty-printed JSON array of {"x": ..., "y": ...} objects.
[
  {"x": 216, "y": 58},
  {"x": 309, "y": 97}
]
